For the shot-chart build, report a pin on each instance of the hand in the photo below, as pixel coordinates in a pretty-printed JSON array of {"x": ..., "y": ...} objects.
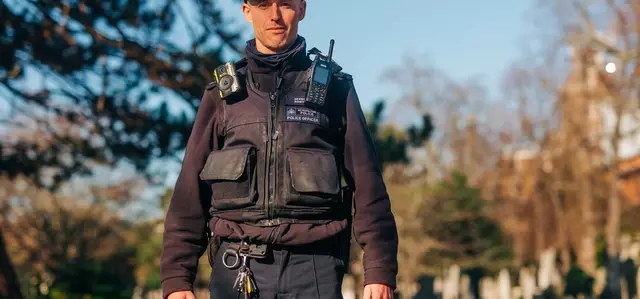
[
  {"x": 182, "y": 295},
  {"x": 377, "y": 291}
]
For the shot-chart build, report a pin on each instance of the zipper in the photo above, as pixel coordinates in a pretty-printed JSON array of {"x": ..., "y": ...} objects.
[{"x": 271, "y": 144}]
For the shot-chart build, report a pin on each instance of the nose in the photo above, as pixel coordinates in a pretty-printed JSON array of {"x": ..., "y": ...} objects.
[{"x": 275, "y": 11}]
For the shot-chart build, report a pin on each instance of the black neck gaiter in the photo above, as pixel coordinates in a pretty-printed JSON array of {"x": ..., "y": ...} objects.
[{"x": 266, "y": 63}]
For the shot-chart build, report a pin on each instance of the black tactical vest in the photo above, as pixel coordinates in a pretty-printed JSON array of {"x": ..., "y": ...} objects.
[{"x": 280, "y": 159}]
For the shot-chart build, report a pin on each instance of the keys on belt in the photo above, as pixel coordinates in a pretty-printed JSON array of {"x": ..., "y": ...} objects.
[{"x": 241, "y": 253}]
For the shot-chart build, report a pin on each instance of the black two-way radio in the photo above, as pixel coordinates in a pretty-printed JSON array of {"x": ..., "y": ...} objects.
[{"x": 321, "y": 72}]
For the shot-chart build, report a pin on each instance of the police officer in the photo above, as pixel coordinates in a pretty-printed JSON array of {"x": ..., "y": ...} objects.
[{"x": 261, "y": 182}]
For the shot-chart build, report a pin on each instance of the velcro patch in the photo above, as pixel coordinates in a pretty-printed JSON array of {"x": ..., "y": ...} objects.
[
  {"x": 305, "y": 115},
  {"x": 300, "y": 99},
  {"x": 296, "y": 100}
]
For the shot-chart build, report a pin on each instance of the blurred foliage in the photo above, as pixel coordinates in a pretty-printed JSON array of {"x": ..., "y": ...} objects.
[
  {"x": 148, "y": 249},
  {"x": 391, "y": 142},
  {"x": 109, "y": 278},
  {"x": 458, "y": 219},
  {"x": 89, "y": 84},
  {"x": 71, "y": 246},
  {"x": 577, "y": 282},
  {"x": 148, "y": 246},
  {"x": 98, "y": 82}
]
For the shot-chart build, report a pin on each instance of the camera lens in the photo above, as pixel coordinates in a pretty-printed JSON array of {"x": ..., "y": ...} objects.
[{"x": 225, "y": 82}]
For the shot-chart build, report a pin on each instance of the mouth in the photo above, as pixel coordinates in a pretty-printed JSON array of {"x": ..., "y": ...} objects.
[{"x": 276, "y": 29}]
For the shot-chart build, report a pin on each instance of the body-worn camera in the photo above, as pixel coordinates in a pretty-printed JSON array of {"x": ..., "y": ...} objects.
[
  {"x": 227, "y": 79},
  {"x": 321, "y": 72}
]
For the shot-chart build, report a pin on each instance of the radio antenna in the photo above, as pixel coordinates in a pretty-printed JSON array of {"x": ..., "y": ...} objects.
[{"x": 330, "y": 50}]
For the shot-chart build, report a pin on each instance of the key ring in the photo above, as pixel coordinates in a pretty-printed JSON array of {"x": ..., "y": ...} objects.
[{"x": 233, "y": 253}]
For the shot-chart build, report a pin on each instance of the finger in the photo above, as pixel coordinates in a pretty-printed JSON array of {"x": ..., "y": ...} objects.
[
  {"x": 375, "y": 293},
  {"x": 380, "y": 293},
  {"x": 191, "y": 296},
  {"x": 367, "y": 293},
  {"x": 389, "y": 294}
]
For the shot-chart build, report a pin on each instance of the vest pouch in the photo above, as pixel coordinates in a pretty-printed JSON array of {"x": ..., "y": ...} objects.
[
  {"x": 313, "y": 178},
  {"x": 231, "y": 173}
]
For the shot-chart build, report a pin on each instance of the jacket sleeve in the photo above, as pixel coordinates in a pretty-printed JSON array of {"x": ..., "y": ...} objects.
[
  {"x": 185, "y": 228},
  {"x": 374, "y": 225}
]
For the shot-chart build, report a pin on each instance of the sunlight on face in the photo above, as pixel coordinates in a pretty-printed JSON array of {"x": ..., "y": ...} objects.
[{"x": 275, "y": 22}]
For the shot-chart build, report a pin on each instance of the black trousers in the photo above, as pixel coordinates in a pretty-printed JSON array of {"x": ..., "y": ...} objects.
[{"x": 312, "y": 271}]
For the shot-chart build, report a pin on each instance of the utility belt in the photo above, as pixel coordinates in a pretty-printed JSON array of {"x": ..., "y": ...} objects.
[
  {"x": 236, "y": 253},
  {"x": 235, "y": 250}
]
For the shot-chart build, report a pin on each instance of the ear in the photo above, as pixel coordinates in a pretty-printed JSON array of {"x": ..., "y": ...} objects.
[
  {"x": 303, "y": 9},
  {"x": 246, "y": 10}
]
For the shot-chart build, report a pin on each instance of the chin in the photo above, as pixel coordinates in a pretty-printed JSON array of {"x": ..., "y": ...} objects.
[{"x": 280, "y": 45}]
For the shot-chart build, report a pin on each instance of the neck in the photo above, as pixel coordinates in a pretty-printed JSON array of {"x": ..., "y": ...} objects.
[{"x": 269, "y": 51}]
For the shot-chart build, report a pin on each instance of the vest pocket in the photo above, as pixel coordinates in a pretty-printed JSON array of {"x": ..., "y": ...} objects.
[
  {"x": 231, "y": 173},
  {"x": 313, "y": 177}
]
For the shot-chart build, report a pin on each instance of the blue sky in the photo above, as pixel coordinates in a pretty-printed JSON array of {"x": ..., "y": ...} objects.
[{"x": 462, "y": 37}]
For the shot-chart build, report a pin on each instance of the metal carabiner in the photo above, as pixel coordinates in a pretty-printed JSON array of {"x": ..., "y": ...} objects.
[{"x": 226, "y": 255}]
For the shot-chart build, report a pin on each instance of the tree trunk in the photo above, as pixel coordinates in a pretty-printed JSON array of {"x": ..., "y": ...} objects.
[
  {"x": 540, "y": 245},
  {"x": 9, "y": 287},
  {"x": 562, "y": 239},
  {"x": 613, "y": 288},
  {"x": 587, "y": 249}
]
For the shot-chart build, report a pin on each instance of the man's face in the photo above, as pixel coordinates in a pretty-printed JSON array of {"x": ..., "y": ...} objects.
[{"x": 275, "y": 22}]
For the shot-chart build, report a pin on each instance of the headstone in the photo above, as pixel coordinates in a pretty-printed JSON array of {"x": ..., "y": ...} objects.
[
  {"x": 549, "y": 277},
  {"x": 504, "y": 284},
  {"x": 465, "y": 287},
  {"x": 547, "y": 264},
  {"x": 438, "y": 286},
  {"x": 634, "y": 251},
  {"x": 527, "y": 283},
  {"x": 516, "y": 292},
  {"x": 600, "y": 280},
  {"x": 488, "y": 288},
  {"x": 452, "y": 283}
]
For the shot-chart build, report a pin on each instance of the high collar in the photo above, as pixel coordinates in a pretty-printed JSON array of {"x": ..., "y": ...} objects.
[
  {"x": 265, "y": 67},
  {"x": 293, "y": 58}
]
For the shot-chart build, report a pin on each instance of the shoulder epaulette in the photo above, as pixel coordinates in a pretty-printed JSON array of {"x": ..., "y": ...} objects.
[
  {"x": 335, "y": 66},
  {"x": 343, "y": 75},
  {"x": 241, "y": 64},
  {"x": 211, "y": 85}
]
